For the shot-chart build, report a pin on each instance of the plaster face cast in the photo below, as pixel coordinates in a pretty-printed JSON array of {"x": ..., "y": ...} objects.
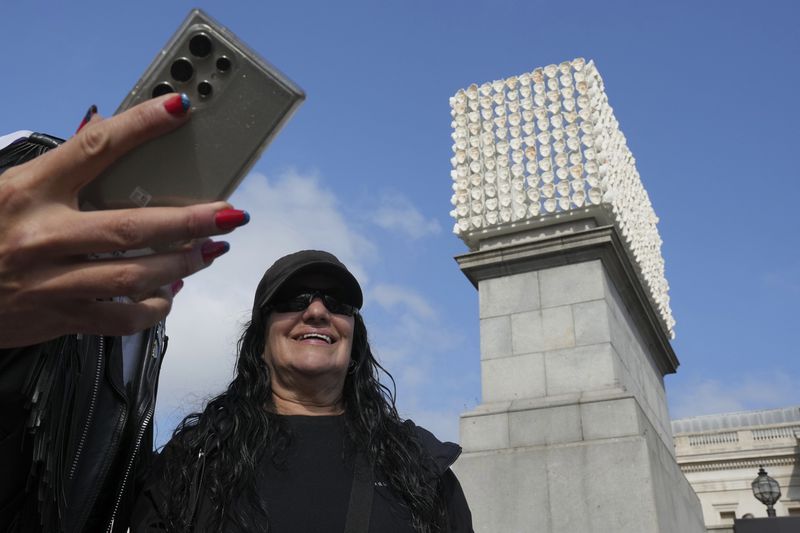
[{"x": 545, "y": 145}]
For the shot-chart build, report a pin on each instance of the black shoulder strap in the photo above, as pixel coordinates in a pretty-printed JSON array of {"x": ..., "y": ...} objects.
[{"x": 360, "y": 507}]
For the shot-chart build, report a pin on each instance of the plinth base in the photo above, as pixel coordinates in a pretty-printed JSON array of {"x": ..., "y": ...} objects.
[
  {"x": 573, "y": 435},
  {"x": 580, "y": 465}
]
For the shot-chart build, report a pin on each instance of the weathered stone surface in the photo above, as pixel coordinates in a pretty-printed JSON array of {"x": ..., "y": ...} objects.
[
  {"x": 591, "y": 322},
  {"x": 485, "y": 432},
  {"x": 554, "y": 425},
  {"x": 516, "y": 293},
  {"x": 515, "y": 495},
  {"x": 603, "y": 467},
  {"x": 571, "y": 284},
  {"x": 600, "y": 486},
  {"x": 512, "y": 378},
  {"x": 580, "y": 369},
  {"x": 496, "y": 337},
  {"x": 573, "y": 432},
  {"x": 609, "y": 418},
  {"x": 587, "y": 491},
  {"x": 542, "y": 330}
]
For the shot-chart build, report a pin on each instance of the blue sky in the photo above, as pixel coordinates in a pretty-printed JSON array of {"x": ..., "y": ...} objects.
[{"x": 705, "y": 92}]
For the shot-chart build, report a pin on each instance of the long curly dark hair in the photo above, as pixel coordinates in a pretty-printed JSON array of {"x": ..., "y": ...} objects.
[{"x": 213, "y": 456}]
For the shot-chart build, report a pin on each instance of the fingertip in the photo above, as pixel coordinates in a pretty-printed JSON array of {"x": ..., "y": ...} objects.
[
  {"x": 176, "y": 287},
  {"x": 229, "y": 219},
  {"x": 177, "y": 104},
  {"x": 87, "y": 117},
  {"x": 210, "y": 250}
]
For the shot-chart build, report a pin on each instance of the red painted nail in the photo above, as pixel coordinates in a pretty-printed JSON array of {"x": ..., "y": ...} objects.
[
  {"x": 176, "y": 287},
  {"x": 231, "y": 218},
  {"x": 213, "y": 249},
  {"x": 87, "y": 117},
  {"x": 177, "y": 105}
]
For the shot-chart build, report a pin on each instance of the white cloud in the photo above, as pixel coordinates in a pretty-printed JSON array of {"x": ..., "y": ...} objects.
[
  {"x": 442, "y": 423},
  {"x": 413, "y": 342},
  {"x": 291, "y": 213},
  {"x": 711, "y": 396},
  {"x": 288, "y": 214},
  {"x": 410, "y": 335},
  {"x": 396, "y": 213},
  {"x": 394, "y": 296}
]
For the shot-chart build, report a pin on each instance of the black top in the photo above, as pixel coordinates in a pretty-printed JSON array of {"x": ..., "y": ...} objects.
[{"x": 307, "y": 489}]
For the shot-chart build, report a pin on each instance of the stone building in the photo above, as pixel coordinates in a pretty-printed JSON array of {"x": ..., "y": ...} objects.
[{"x": 720, "y": 455}]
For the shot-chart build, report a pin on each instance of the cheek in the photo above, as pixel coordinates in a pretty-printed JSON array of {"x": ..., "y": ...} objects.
[
  {"x": 265, "y": 355},
  {"x": 276, "y": 328},
  {"x": 348, "y": 331},
  {"x": 346, "y": 328},
  {"x": 347, "y": 349},
  {"x": 272, "y": 350},
  {"x": 270, "y": 339}
]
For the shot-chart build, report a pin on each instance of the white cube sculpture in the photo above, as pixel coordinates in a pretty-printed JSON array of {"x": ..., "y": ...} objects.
[{"x": 542, "y": 146}]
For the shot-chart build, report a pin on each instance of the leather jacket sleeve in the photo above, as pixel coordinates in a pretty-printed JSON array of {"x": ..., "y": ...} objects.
[{"x": 459, "y": 517}]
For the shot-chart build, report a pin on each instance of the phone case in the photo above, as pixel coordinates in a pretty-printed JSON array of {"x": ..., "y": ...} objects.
[{"x": 239, "y": 102}]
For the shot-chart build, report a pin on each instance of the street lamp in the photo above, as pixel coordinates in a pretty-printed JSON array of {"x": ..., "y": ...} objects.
[{"x": 766, "y": 490}]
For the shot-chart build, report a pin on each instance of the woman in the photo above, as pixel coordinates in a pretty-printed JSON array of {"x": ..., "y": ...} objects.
[
  {"x": 305, "y": 438},
  {"x": 70, "y": 423}
]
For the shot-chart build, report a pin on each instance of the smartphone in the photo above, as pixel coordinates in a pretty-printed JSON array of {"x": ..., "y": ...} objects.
[{"x": 239, "y": 103}]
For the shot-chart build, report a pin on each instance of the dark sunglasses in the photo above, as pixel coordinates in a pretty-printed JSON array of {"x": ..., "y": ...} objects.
[{"x": 302, "y": 301}]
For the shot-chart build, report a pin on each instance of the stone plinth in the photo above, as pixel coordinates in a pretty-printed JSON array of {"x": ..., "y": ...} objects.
[{"x": 573, "y": 433}]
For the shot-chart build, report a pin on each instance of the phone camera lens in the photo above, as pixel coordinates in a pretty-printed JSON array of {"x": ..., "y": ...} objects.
[
  {"x": 182, "y": 69},
  {"x": 223, "y": 64},
  {"x": 162, "y": 89},
  {"x": 200, "y": 45},
  {"x": 205, "y": 89}
]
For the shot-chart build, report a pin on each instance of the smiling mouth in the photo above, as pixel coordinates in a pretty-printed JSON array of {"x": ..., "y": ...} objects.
[{"x": 319, "y": 336}]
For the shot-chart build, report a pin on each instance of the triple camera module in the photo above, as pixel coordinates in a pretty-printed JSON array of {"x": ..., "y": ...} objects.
[{"x": 183, "y": 69}]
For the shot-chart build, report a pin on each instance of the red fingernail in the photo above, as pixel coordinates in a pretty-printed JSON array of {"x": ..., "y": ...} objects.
[
  {"x": 213, "y": 249},
  {"x": 177, "y": 105},
  {"x": 176, "y": 287},
  {"x": 87, "y": 117},
  {"x": 231, "y": 218}
]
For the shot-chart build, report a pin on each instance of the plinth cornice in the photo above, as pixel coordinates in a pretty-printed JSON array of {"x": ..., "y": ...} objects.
[{"x": 598, "y": 243}]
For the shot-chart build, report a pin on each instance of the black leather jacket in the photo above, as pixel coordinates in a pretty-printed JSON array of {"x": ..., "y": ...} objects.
[
  {"x": 73, "y": 435},
  {"x": 74, "y": 438}
]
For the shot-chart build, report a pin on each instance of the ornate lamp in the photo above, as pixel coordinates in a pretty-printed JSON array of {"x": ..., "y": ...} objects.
[{"x": 766, "y": 490}]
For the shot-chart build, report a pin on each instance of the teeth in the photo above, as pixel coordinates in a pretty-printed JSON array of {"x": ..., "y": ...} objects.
[{"x": 317, "y": 336}]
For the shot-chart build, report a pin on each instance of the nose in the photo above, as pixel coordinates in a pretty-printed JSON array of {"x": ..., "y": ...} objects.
[{"x": 316, "y": 310}]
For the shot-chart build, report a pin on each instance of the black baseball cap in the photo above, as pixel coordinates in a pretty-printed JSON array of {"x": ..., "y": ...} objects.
[{"x": 282, "y": 271}]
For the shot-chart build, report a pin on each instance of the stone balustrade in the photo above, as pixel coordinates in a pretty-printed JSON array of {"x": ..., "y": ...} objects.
[{"x": 787, "y": 435}]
